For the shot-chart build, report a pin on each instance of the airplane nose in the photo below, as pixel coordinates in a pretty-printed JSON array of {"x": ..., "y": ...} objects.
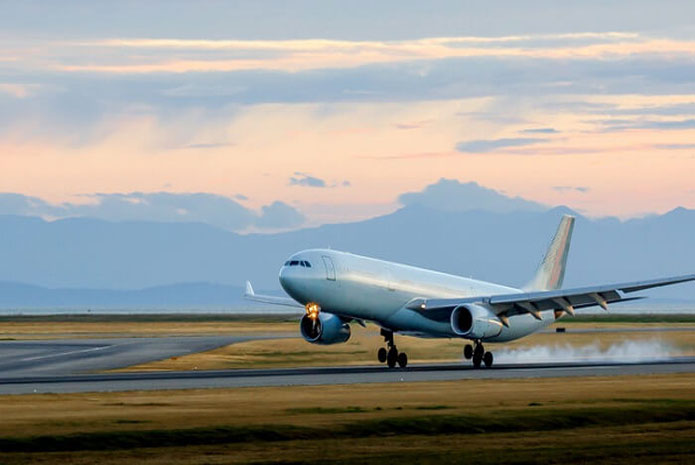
[{"x": 285, "y": 279}]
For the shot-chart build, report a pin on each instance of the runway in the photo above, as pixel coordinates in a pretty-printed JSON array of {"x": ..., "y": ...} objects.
[
  {"x": 327, "y": 375},
  {"x": 73, "y": 365},
  {"x": 71, "y": 356}
]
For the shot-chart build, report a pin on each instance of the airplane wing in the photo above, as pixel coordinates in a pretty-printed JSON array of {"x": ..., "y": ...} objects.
[
  {"x": 269, "y": 299},
  {"x": 506, "y": 305}
]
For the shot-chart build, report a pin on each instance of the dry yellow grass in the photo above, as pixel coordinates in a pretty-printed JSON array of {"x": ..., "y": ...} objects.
[
  {"x": 28, "y": 415},
  {"x": 102, "y": 329}
]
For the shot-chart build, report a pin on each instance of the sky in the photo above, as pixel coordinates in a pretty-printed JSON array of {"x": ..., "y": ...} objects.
[{"x": 261, "y": 116}]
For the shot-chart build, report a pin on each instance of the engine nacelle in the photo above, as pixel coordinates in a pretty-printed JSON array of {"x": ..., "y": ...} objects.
[
  {"x": 475, "y": 322},
  {"x": 326, "y": 328}
]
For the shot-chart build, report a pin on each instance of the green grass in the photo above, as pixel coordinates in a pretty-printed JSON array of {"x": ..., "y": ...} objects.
[
  {"x": 674, "y": 451},
  {"x": 433, "y": 407},
  {"x": 323, "y": 410},
  {"x": 515, "y": 421}
]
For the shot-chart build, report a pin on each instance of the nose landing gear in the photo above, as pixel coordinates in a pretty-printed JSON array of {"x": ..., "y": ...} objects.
[
  {"x": 478, "y": 355},
  {"x": 391, "y": 356}
]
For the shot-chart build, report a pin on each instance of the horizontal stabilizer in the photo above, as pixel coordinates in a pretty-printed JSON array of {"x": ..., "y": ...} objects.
[{"x": 250, "y": 294}]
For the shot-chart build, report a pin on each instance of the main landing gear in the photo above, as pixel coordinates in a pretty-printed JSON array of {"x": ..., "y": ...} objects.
[
  {"x": 478, "y": 355},
  {"x": 391, "y": 356}
]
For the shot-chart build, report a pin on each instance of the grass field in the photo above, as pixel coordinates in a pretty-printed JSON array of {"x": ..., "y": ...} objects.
[
  {"x": 101, "y": 326},
  {"x": 598, "y": 420}
]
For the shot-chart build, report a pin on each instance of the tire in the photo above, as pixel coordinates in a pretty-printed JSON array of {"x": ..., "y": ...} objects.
[
  {"x": 381, "y": 355},
  {"x": 487, "y": 358},
  {"x": 477, "y": 358},
  {"x": 392, "y": 358},
  {"x": 468, "y": 351},
  {"x": 402, "y": 360}
]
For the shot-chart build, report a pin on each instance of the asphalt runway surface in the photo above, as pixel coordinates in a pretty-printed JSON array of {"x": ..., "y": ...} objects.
[
  {"x": 69, "y": 365},
  {"x": 70, "y": 356},
  {"x": 329, "y": 375}
]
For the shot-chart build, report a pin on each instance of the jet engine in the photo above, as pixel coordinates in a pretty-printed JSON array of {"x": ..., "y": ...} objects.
[
  {"x": 324, "y": 328},
  {"x": 475, "y": 322}
]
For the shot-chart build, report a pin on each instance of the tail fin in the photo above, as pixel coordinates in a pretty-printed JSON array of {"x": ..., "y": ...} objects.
[{"x": 551, "y": 271}]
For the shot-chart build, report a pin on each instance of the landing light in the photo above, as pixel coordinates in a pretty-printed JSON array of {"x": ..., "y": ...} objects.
[{"x": 312, "y": 310}]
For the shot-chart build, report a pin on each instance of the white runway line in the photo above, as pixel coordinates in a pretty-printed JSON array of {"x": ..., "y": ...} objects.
[{"x": 81, "y": 351}]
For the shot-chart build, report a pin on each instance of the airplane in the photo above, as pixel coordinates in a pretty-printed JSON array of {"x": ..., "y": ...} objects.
[{"x": 339, "y": 288}]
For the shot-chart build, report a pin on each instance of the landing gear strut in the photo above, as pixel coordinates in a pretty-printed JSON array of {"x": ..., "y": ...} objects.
[
  {"x": 391, "y": 356},
  {"x": 478, "y": 354}
]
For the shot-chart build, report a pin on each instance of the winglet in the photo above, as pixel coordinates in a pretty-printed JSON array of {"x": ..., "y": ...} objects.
[
  {"x": 249, "y": 290},
  {"x": 551, "y": 271}
]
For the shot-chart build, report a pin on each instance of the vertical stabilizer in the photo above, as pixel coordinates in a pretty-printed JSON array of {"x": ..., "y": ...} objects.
[{"x": 551, "y": 271}]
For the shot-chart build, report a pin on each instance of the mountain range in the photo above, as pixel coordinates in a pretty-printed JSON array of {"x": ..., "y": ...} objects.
[{"x": 85, "y": 261}]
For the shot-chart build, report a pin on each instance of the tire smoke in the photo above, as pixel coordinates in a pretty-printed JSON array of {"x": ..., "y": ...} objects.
[{"x": 625, "y": 351}]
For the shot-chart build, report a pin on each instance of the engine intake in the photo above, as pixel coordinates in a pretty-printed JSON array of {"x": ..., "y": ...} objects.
[
  {"x": 475, "y": 322},
  {"x": 324, "y": 328}
]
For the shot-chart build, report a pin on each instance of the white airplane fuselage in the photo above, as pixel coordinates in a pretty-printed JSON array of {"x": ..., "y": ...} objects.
[{"x": 356, "y": 287}]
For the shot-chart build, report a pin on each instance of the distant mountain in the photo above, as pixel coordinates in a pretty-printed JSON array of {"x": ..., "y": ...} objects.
[
  {"x": 196, "y": 296},
  {"x": 501, "y": 247}
]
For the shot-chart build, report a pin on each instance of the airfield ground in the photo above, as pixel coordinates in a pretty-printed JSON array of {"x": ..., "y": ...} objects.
[
  {"x": 611, "y": 420},
  {"x": 616, "y": 419}
]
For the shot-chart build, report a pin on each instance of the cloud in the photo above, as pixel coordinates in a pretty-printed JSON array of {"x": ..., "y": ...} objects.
[
  {"x": 212, "y": 209},
  {"x": 675, "y": 146},
  {"x": 303, "y": 179},
  {"x": 680, "y": 124},
  {"x": 488, "y": 145},
  {"x": 292, "y": 55},
  {"x": 540, "y": 131},
  {"x": 612, "y": 125},
  {"x": 452, "y": 195},
  {"x": 18, "y": 204},
  {"x": 77, "y": 104},
  {"x": 581, "y": 189},
  {"x": 279, "y": 215},
  {"x": 17, "y": 90},
  {"x": 212, "y": 145},
  {"x": 329, "y": 18}
]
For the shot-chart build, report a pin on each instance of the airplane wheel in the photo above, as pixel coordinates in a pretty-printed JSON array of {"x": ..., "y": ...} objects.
[
  {"x": 381, "y": 355},
  {"x": 477, "y": 358},
  {"x": 487, "y": 358},
  {"x": 392, "y": 358},
  {"x": 468, "y": 352},
  {"x": 402, "y": 360}
]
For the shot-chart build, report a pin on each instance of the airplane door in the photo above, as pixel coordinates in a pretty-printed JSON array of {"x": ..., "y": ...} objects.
[{"x": 330, "y": 268}]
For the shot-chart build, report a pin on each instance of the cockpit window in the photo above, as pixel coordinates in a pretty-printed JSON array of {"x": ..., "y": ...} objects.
[
  {"x": 302, "y": 263},
  {"x": 287, "y": 263},
  {"x": 294, "y": 262}
]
